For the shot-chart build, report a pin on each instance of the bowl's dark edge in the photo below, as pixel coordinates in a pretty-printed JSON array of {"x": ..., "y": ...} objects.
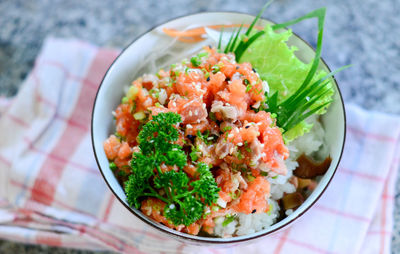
[{"x": 188, "y": 237}]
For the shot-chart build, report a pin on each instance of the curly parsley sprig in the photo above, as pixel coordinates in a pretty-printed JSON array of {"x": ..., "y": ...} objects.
[{"x": 185, "y": 199}]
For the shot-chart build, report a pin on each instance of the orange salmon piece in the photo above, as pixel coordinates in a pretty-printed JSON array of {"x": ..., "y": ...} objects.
[{"x": 253, "y": 199}]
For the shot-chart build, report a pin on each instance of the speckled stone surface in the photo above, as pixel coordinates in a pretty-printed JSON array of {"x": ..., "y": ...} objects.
[{"x": 365, "y": 33}]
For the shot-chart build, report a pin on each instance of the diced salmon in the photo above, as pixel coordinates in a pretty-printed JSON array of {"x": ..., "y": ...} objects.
[
  {"x": 191, "y": 110},
  {"x": 217, "y": 82},
  {"x": 273, "y": 143},
  {"x": 190, "y": 84},
  {"x": 111, "y": 147},
  {"x": 193, "y": 229},
  {"x": 253, "y": 199},
  {"x": 124, "y": 151},
  {"x": 228, "y": 69},
  {"x": 127, "y": 126}
]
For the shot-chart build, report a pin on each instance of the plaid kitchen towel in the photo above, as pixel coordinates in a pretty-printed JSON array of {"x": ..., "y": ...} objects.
[{"x": 51, "y": 191}]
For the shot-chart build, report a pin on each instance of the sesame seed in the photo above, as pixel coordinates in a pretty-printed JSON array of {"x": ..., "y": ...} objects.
[
  {"x": 230, "y": 135},
  {"x": 190, "y": 113},
  {"x": 263, "y": 154},
  {"x": 259, "y": 123},
  {"x": 210, "y": 138},
  {"x": 240, "y": 144},
  {"x": 189, "y": 126},
  {"x": 247, "y": 126},
  {"x": 196, "y": 112},
  {"x": 208, "y": 79}
]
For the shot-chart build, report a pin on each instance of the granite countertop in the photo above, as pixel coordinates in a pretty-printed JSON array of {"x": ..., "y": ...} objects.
[{"x": 363, "y": 33}]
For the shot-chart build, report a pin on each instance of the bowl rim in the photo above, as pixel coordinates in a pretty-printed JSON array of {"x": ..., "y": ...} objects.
[{"x": 187, "y": 237}]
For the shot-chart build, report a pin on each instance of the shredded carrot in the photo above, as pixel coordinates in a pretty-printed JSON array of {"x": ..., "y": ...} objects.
[
  {"x": 194, "y": 34},
  {"x": 191, "y": 40}
]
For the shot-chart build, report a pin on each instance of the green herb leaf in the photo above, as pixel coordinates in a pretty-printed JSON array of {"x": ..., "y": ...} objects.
[
  {"x": 296, "y": 88},
  {"x": 240, "y": 47}
]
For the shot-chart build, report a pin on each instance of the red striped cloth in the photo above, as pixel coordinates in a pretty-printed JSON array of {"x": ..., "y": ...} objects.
[{"x": 51, "y": 191}]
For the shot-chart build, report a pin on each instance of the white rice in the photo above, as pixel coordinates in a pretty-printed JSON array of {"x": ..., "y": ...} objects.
[{"x": 244, "y": 224}]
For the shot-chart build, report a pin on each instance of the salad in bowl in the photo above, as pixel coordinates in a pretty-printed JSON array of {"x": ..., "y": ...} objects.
[{"x": 225, "y": 132}]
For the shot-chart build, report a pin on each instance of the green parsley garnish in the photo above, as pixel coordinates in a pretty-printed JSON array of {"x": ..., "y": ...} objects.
[
  {"x": 185, "y": 202},
  {"x": 121, "y": 173}
]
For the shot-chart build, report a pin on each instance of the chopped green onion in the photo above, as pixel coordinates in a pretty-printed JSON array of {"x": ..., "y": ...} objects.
[
  {"x": 139, "y": 115},
  {"x": 212, "y": 116},
  {"x": 239, "y": 155},
  {"x": 226, "y": 128},
  {"x": 248, "y": 88},
  {"x": 202, "y": 54},
  {"x": 194, "y": 153},
  {"x": 228, "y": 220},
  {"x": 132, "y": 92},
  {"x": 250, "y": 178},
  {"x": 270, "y": 209},
  {"x": 124, "y": 100},
  {"x": 215, "y": 69},
  {"x": 119, "y": 136},
  {"x": 196, "y": 61}
]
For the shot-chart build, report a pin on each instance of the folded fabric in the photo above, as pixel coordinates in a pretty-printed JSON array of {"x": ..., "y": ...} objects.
[{"x": 51, "y": 191}]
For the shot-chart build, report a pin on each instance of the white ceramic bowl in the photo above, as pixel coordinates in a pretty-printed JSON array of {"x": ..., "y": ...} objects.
[{"x": 126, "y": 68}]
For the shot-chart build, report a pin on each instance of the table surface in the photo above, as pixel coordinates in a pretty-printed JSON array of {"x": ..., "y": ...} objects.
[{"x": 364, "y": 33}]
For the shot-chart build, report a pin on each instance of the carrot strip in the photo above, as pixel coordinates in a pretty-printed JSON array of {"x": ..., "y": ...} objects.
[
  {"x": 198, "y": 31},
  {"x": 190, "y": 40}
]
